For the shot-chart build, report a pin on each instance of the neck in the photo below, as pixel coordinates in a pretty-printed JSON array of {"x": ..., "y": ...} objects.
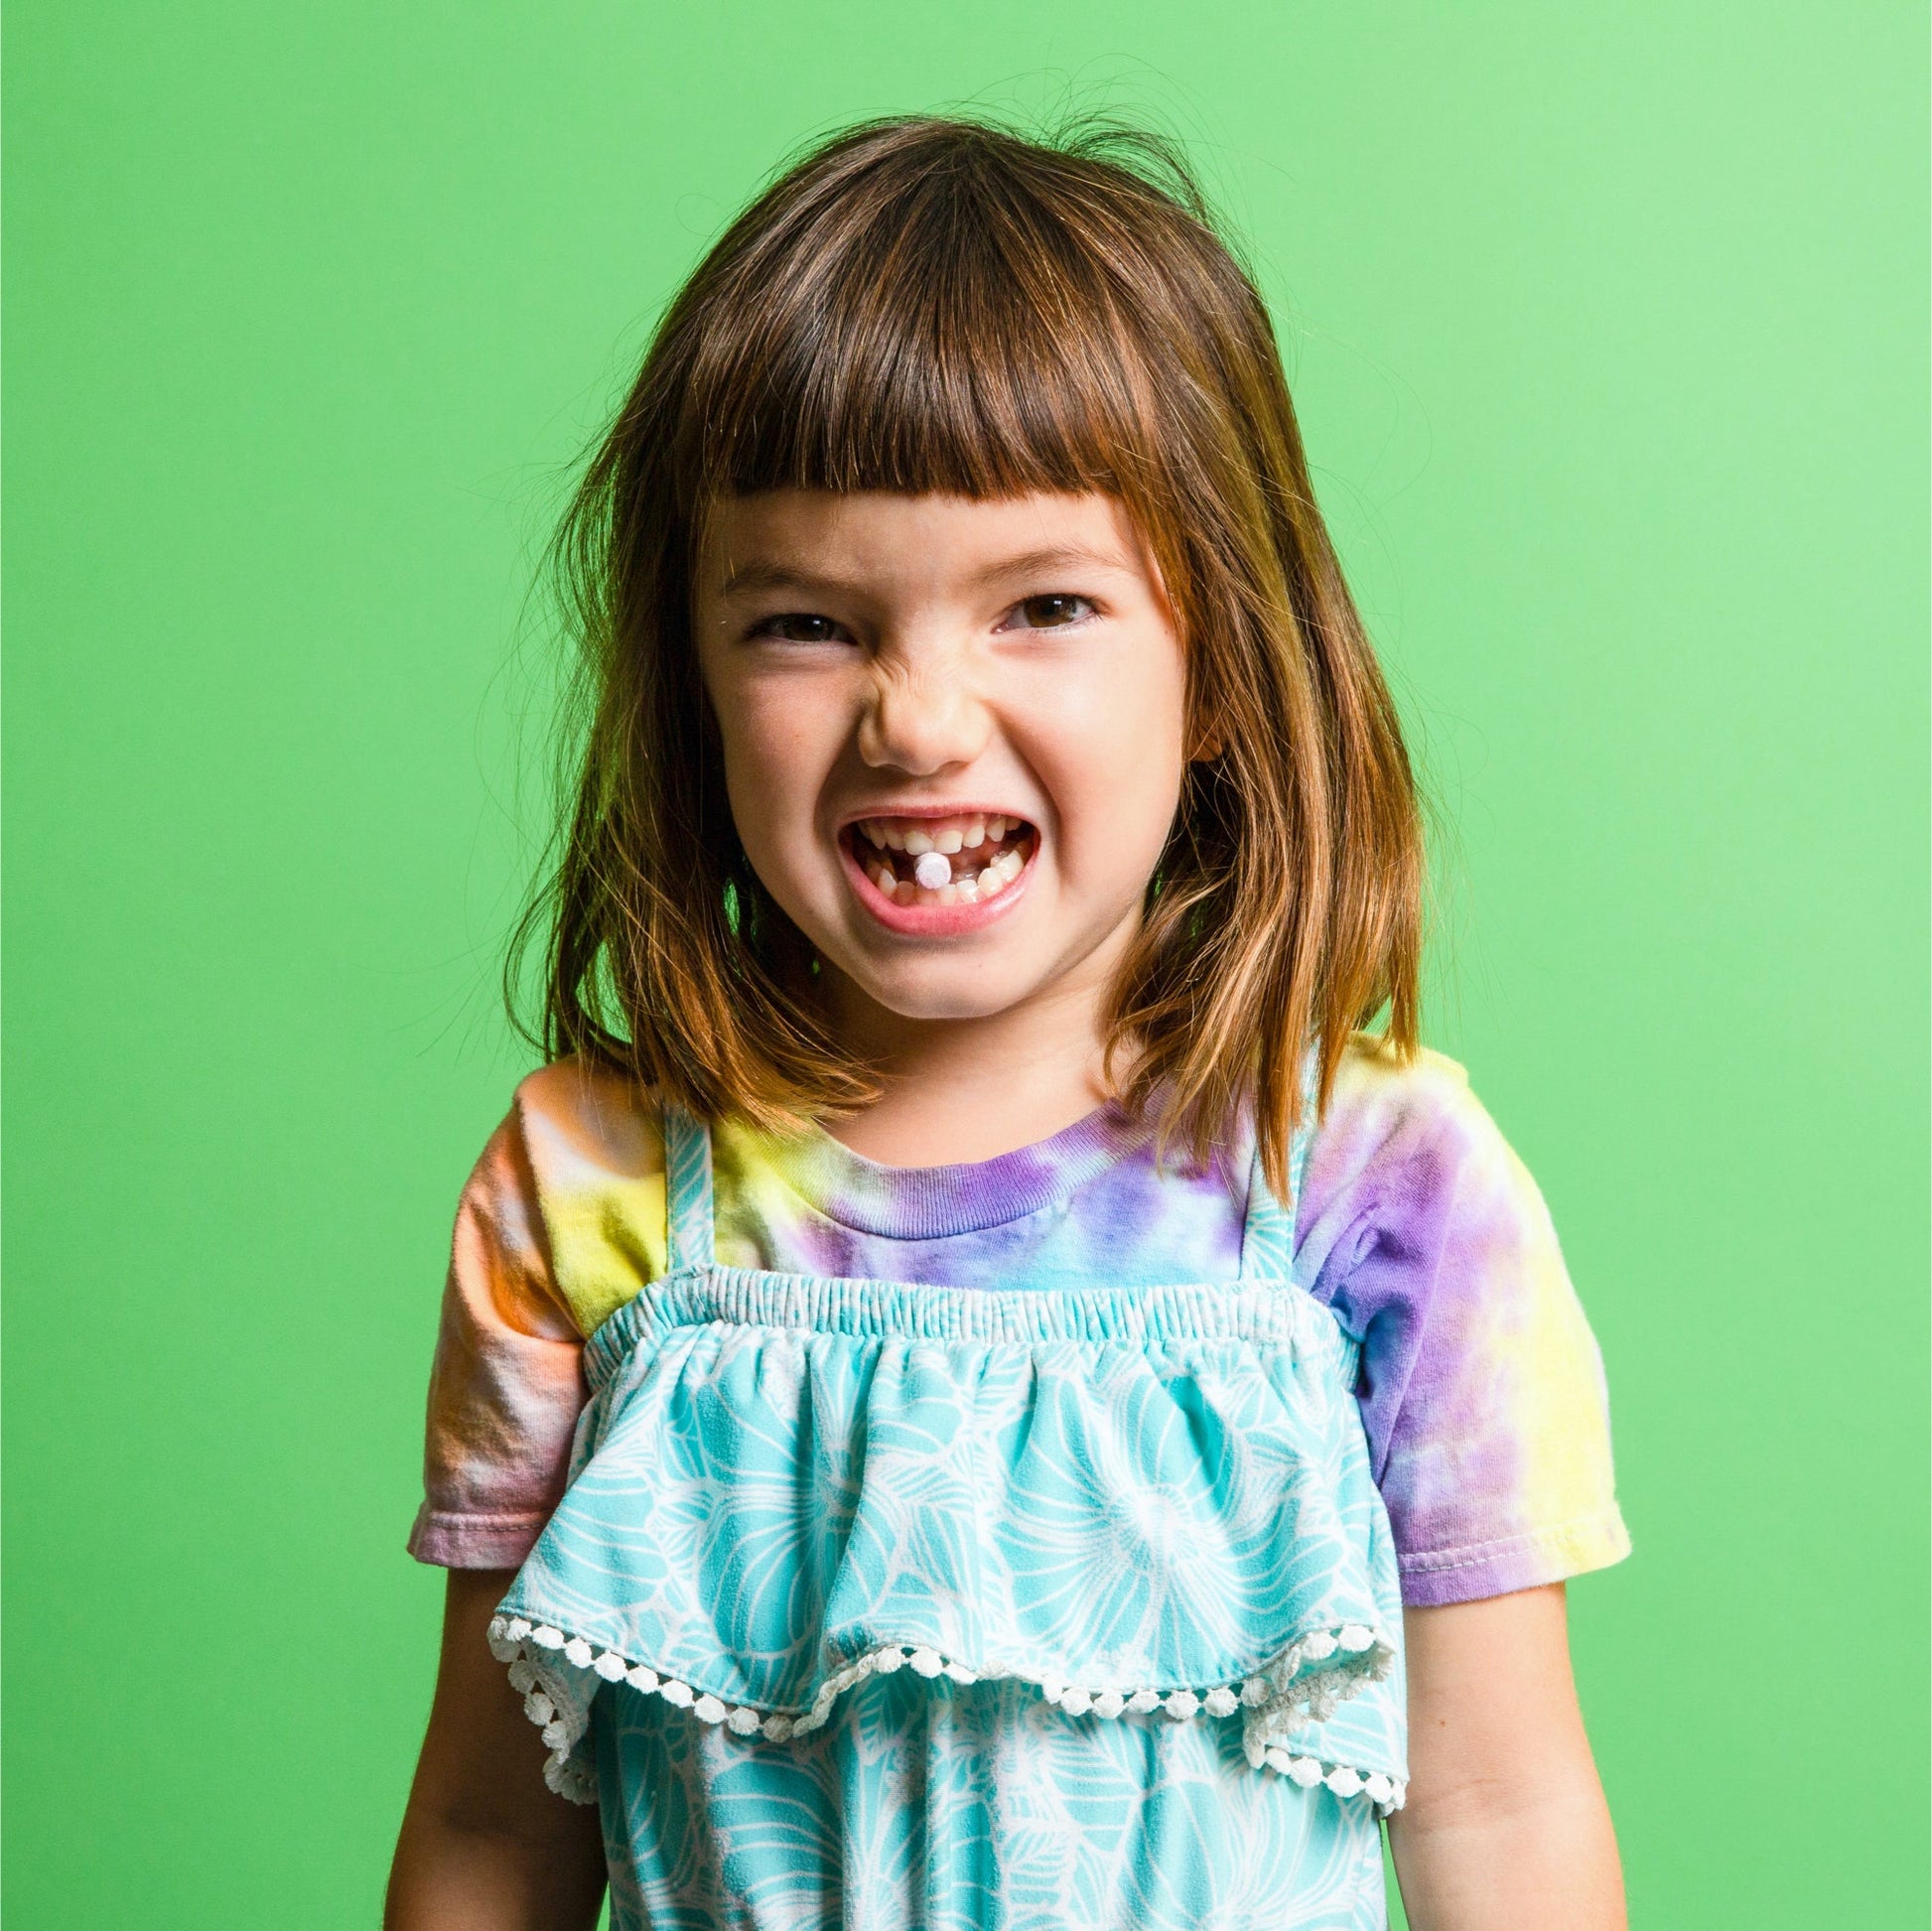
[{"x": 971, "y": 1089}]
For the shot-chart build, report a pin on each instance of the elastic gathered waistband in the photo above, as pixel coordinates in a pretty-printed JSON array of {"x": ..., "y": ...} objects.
[{"x": 1271, "y": 1311}]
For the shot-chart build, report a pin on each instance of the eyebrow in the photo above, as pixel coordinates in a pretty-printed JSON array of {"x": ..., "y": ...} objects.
[
  {"x": 758, "y": 575},
  {"x": 1058, "y": 557}
]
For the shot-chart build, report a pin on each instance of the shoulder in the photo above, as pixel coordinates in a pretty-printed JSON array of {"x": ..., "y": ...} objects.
[
  {"x": 1390, "y": 1116},
  {"x": 1403, "y": 1148},
  {"x": 586, "y": 1149},
  {"x": 587, "y": 1126}
]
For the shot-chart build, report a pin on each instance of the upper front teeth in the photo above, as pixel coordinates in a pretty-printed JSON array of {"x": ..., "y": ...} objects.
[{"x": 948, "y": 835}]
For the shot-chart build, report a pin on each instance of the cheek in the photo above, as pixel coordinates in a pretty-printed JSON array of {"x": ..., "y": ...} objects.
[
  {"x": 779, "y": 745},
  {"x": 1124, "y": 746}
]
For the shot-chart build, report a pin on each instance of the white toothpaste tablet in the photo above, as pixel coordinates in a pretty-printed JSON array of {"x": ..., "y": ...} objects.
[{"x": 932, "y": 871}]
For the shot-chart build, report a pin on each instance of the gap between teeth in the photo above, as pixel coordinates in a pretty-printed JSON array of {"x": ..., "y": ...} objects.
[{"x": 970, "y": 889}]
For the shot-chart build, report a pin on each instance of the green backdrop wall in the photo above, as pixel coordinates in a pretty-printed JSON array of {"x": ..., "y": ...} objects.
[{"x": 1607, "y": 327}]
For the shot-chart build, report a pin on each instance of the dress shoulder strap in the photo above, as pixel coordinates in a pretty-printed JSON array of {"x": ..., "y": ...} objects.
[
  {"x": 687, "y": 1191},
  {"x": 1268, "y": 1236}
]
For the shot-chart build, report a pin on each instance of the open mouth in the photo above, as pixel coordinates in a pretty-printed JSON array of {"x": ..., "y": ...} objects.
[{"x": 964, "y": 859}]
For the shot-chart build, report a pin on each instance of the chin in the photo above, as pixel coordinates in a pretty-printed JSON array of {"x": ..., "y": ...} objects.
[{"x": 952, "y": 995}]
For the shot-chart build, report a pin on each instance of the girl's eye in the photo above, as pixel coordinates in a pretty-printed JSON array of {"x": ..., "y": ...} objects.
[
  {"x": 799, "y": 626},
  {"x": 1050, "y": 613}
]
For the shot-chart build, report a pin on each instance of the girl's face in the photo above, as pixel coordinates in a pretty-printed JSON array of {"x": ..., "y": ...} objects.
[{"x": 954, "y": 733}]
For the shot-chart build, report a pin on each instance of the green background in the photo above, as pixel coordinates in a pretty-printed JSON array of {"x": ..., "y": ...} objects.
[{"x": 1608, "y": 328}]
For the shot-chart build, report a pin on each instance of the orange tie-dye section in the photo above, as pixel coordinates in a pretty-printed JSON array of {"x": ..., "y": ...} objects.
[{"x": 535, "y": 1265}]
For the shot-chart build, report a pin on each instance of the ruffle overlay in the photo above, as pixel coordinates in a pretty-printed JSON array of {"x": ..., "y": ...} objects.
[{"x": 1151, "y": 1503}]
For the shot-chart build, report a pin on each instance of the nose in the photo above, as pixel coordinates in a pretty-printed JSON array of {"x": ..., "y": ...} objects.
[{"x": 921, "y": 720}]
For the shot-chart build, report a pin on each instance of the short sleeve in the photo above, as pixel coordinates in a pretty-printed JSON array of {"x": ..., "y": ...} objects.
[
  {"x": 1481, "y": 1389},
  {"x": 561, "y": 1222}
]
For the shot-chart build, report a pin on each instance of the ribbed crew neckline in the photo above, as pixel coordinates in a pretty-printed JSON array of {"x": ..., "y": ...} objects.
[{"x": 934, "y": 1202}]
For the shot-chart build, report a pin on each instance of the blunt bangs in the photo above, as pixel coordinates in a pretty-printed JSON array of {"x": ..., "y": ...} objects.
[{"x": 972, "y": 330}]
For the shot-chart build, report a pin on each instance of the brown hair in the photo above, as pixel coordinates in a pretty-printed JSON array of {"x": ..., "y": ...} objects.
[{"x": 943, "y": 306}]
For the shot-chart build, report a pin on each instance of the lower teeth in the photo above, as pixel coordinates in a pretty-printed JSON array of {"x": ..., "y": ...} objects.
[{"x": 969, "y": 887}]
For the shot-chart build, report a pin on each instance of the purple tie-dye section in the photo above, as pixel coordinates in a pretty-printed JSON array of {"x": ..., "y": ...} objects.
[
  {"x": 1091, "y": 1205},
  {"x": 1481, "y": 1390}
]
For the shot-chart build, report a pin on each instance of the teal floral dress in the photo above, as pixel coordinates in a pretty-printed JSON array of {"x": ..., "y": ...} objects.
[{"x": 891, "y": 1605}]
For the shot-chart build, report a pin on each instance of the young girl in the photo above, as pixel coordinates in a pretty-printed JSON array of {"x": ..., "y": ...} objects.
[{"x": 969, "y": 1392}]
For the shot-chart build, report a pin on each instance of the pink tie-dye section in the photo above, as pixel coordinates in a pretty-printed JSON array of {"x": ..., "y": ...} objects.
[{"x": 1481, "y": 1392}]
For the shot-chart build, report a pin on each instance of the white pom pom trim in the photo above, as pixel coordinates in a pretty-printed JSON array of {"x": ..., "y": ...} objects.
[
  {"x": 1288, "y": 1692},
  {"x": 537, "y": 1652}
]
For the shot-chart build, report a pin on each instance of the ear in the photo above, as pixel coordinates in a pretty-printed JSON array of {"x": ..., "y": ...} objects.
[{"x": 1209, "y": 742}]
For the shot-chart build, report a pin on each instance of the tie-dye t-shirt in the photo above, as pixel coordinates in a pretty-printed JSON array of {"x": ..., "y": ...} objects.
[{"x": 1481, "y": 1391}]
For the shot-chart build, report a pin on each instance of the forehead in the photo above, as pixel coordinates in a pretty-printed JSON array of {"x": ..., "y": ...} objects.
[{"x": 887, "y": 541}]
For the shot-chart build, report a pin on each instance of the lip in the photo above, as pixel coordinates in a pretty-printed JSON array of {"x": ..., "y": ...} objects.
[{"x": 932, "y": 921}]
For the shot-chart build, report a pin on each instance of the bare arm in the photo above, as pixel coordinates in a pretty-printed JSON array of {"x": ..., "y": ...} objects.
[
  {"x": 484, "y": 1845},
  {"x": 1506, "y": 1828}
]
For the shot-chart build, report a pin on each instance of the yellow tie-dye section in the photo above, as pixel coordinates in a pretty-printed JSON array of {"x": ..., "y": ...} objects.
[{"x": 598, "y": 1158}]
